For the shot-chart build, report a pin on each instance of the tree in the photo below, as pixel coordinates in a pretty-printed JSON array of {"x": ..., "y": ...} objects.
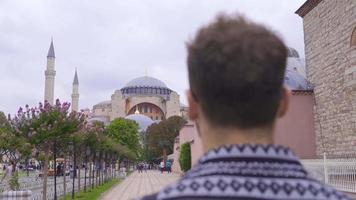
[
  {"x": 4, "y": 131},
  {"x": 125, "y": 132},
  {"x": 49, "y": 126},
  {"x": 15, "y": 140},
  {"x": 161, "y": 136}
]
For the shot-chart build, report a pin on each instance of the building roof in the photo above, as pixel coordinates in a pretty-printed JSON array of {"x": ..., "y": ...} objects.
[
  {"x": 75, "y": 81},
  {"x": 102, "y": 104},
  {"x": 51, "y": 51},
  {"x": 307, "y": 7},
  {"x": 146, "y": 81}
]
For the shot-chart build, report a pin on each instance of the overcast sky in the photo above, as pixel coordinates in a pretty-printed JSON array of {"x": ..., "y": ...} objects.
[{"x": 111, "y": 42}]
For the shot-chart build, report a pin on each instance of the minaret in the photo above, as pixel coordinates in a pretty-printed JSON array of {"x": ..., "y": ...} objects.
[
  {"x": 75, "y": 92},
  {"x": 50, "y": 74}
]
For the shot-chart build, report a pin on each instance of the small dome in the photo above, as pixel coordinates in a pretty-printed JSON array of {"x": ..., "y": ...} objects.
[
  {"x": 295, "y": 81},
  {"x": 103, "y": 119},
  {"x": 293, "y": 53},
  {"x": 146, "y": 81},
  {"x": 102, "y": 104},
  {"x": 142, "y": 120}
]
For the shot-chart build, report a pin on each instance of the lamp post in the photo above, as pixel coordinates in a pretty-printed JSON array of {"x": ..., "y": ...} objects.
[
  {"x": 72, "y": 148},
  {"x": 97, "y": 167},
  {"x": 87, "y": 154},
  {"x": 55, "y": 169}
]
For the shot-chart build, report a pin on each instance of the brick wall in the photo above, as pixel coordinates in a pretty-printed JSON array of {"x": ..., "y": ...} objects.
[{"x": 329, "y": 57}]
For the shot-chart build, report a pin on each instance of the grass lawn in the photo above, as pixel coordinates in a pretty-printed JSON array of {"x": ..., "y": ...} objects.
[{"x": 94, "y": 193}]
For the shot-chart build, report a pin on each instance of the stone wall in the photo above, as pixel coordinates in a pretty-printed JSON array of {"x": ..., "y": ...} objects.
[
  {"x": 330, "y": 61},
  {"x": 173, "y": 105}
]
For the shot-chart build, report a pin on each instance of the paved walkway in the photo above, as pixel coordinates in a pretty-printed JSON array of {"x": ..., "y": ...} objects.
[{"x": 140, "y": 184}]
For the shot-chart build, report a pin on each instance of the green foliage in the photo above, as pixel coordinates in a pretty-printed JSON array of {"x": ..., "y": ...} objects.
[
  {"x": 125, "y": 132},
  {"x": 94, "y": 193},
  {"x": 14, "y": 182},
  {"x": 161, "y": 136},
  {"x": 185, "y": 160}
]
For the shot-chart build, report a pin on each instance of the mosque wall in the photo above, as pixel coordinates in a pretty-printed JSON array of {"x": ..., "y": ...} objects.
[
  {"x": 331, "y": 68},
  {"x": 173, "y": 105},
  {"x": 156, "y": 100},
  {"x": 117, "y": 105}
]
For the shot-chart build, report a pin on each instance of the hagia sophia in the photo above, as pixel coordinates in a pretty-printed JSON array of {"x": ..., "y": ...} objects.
[
  {"x": 144, "y": 99},
  {"x": 144, "y": 95}
]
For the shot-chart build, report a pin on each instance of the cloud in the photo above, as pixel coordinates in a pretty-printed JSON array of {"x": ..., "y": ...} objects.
[{"x": 113, "y": 42}]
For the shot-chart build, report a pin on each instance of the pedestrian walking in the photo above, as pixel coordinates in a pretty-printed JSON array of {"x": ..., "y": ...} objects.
[
  {"x": 169, "y": 166},
  {"x": 161, "y": 166}
]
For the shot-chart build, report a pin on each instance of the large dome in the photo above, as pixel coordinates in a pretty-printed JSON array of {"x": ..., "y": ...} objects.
[
  {"x": 142, "y": 120},
  {"x": 146, "y": 81},
  {"x": 146, "y": 85}
]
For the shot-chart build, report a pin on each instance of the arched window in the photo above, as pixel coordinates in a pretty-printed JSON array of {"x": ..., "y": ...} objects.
[{"x": 353, "y": 37}]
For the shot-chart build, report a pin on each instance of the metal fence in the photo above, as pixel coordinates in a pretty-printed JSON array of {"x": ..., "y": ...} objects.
[
  {"x": 340, "y": 173},
  {"x": 34, "y": 184}
]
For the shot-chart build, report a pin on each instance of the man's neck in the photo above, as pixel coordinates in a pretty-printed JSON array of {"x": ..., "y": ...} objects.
[{"x": 216, "y": 137}]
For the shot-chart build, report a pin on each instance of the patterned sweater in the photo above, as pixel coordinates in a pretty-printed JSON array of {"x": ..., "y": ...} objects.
[{"x": 248, "y": 172}]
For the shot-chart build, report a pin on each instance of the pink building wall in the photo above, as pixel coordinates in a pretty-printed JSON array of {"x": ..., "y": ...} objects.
[
  {"x": 187, "y": 134},
  {"x": 295, "y": 130}
]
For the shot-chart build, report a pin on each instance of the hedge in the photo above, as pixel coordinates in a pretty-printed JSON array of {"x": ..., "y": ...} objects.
[{"x": 185, "y": 160}]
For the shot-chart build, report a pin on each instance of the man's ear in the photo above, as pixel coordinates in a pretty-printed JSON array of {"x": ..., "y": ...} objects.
[
  {"x": 192, "y": 106},
  {"x": 284, "y": 102}
]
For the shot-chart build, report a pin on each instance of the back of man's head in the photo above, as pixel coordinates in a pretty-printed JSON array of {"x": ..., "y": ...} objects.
[{"x": 236, "y": 70}]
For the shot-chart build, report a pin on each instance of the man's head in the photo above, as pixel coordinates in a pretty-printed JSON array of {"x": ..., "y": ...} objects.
[{"x": 236, "y": 70}]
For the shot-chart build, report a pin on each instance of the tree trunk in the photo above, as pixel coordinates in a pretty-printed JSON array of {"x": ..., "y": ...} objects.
[
  {"x": 90, "y": 174},
  {"x": 164, "y": 155},
  {"x": 27, "y": 165},
  {"x": 45, "y": 173},
  {"x": 74, "y": 171},
  {"x": 85, "y": 173}
]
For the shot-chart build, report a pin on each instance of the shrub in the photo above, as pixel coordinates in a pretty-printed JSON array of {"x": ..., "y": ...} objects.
[
  {"x": 14, "y": 182},
  {"x": 185, "y": 160}
]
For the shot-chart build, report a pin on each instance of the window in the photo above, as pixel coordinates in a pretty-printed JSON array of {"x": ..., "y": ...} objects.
[
  {"x": 156, "y": 117},
  {"x": 353, "y": 37},
  {"x": 145, "y": 109},
  {"x": 150, "y": 109}
]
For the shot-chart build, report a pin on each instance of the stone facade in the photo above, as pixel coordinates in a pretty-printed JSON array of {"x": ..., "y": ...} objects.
[
  {"x": 123, "y": 104},
  {"x": 331, "y": 68}
]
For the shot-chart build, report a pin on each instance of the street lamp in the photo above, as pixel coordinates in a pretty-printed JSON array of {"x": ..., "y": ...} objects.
[
  {"x": 72, "y": 149},
  {"x": 87, "y": 154}
]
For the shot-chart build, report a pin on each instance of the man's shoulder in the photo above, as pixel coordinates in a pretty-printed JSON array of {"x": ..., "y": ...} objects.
[
  {"x": 150, "y": 197},
  {"x": 235, "y": 187}
]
